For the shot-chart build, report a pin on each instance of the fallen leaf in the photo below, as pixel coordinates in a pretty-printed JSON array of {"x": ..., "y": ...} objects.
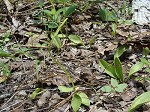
[
  {"x": 2, "y": 79},
  {"x": 34, "y": 40}
]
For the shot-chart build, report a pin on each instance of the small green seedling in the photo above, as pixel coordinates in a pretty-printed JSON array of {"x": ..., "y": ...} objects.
[
  {"x": 7, "y": 36},
  {"x": 36, "y": 93},
  {"x": 115, "y": 86},
  {"x": 5, "y": 70},
  {"x": 146, "y": 51},
  {"x": 91, "y": 41},
  {"x": 78, "y": 97},
  {"x": 139, "y": 101},
  {"x": 145, "y": 61},
  {"x": 115, "y": 71},
  {"x": 114, "y": 27},
  {"x": 108, "y": 16}
]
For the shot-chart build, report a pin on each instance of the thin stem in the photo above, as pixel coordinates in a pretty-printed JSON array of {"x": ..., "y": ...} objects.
[{"x": 61, "y": 67}]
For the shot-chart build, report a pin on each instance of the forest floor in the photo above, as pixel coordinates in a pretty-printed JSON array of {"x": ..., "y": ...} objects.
[{"x": 30, "y": 60}]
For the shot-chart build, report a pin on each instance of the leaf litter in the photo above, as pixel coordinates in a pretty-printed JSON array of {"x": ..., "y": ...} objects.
[{"x": 80, "y": 62}]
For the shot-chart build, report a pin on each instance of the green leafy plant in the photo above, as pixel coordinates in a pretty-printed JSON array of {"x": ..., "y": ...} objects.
[
  {"x": 5, "y": 71},
  {"x": 78, "y": 97},
  {"x": 54, "y": 16},
  {"x": 138, "y": 66},
  {"x": 115, "y": 16},
  {"x": 107, "y": 15},
  {"x": 115, "y": 86},
  {"x": 114, "y": 27},
  {"x": 124, "y": 13},
  {"x": 146, "y": 51},
  {"x": 7, "y": 36},
  {"x": 146, "y": 63},
  {"x": 144, "y": 59},
  {"x": 115, "y": 70},
  {"x": 36, "y": 93},
  {"x": 55, "y": 38},
  {"x": 91, "y": 41},
  {"x": 139, "y": 101},
  {"x": 5, "y": 54}
]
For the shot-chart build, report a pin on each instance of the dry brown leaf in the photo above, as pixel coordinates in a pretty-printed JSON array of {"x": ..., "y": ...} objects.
[
  {"x": 111, "y": 47},
  {"x": 129, "y": 94},
  {"x": 34, "y": 40},
  {"x": 122, "y": 33},
  {"x": 2, "y": 79}
]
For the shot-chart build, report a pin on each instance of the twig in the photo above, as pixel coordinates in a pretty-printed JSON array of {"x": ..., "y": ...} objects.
[
  {"x": 9, "y": 6},
  {"x": 62, "y": 102},
  {"x": 10, "y": 9},
  {"x": 23, "y": 102},
  {"x": 9, "y": 99}
]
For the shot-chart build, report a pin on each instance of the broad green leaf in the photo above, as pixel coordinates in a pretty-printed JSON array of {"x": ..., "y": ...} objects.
[
  {"x": 59, "y": 11},
  {"x": 108, "y": 68},
  {"x": 44, "y": 45},
  {"x": 37, "y": 44},
  {"x": 140, "y": 100},
  {"x": 147, "y": 70},
  {"x": 102, "y": 13},
  {"x": 53, "y": 10},
  {"x": 76, "y": 39},
  {"x": 126, "y": 22},
  {"x": 114, "y": 82},
  {"x": 120, "y": 51},
  {"x": 114, "y": 27},
  {"x": 121, "y": 87},
  {"x": 107, "y": 15},
  {"x": 6, "y": 39},
  {"x": 48, "y": 12},
  {"x": 118, "y": 69},
  {"x": 70, "y": 10},
  {"x": 61, "y": 35},
  {"x": 106, "y": 89},
  {"x": 138, "y": 66},
  {"x": 65, "y": 89},
  {"x": 124, "y": 5},
  {"x": 76, "y": 102},
  {"x": 146, "y": 78},
  {"x": 145, "y": 61},
  {"x": 84, "y": 98}
]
